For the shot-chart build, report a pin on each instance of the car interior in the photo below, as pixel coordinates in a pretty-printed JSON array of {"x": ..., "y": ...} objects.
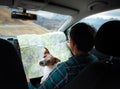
[{"x": 103, "y": 74}]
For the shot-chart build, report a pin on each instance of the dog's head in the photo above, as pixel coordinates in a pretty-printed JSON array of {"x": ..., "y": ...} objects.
[{"x": 48, "y": 59}]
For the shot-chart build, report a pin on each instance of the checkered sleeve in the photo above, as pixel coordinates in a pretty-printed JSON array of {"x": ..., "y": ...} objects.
[{"x": 56, "y": 79}]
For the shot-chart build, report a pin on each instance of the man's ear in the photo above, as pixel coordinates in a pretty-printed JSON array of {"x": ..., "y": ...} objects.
[
  {"x": 73, "y": 47},
  {"x": 73, "y": 43}
]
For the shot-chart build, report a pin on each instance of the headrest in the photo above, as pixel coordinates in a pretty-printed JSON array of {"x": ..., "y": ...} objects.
[
  {"x": 107, "y": 39},
  {"x": 12, "y": 75}
]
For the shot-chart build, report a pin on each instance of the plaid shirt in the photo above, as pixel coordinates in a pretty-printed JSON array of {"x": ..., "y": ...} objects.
[{"x": 66, "y": 71}]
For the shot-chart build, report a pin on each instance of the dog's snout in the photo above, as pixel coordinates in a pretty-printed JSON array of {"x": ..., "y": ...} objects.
[{"x": 41, "y": 63}]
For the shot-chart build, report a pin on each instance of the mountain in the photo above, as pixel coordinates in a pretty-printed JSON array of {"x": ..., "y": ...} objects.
[{"x": 52, "y": 23}]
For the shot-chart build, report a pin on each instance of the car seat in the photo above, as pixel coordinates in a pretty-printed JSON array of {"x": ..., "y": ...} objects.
[
  {"x": 12, "y": 74},
  {"x": 104, "y": 74}
]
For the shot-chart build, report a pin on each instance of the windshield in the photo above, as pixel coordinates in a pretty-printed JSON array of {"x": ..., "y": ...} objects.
[
  {"x": 46, "y": 22},
  {"x": 27, "y": 33}
]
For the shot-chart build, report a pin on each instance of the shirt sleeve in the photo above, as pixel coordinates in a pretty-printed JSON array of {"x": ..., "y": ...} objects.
[
  {"x": 56, "y": 79},
  {"x": 30, "y": 86}
]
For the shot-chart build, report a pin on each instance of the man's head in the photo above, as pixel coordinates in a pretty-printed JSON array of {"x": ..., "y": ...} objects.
[{"x": 82, "y": 37}]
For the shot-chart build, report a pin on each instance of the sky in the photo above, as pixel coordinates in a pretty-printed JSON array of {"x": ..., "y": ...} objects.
[{"x": 109, "y": 14}]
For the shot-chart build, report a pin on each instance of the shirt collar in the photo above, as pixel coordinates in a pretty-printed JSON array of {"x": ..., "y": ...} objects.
[{"x": 78, "y": 59}]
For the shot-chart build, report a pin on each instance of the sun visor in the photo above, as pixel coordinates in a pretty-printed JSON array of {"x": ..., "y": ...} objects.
[{"x": 46, "y": 6}]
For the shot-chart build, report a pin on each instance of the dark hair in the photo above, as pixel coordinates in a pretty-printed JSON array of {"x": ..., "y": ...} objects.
[{"x": 83, "y": 35}]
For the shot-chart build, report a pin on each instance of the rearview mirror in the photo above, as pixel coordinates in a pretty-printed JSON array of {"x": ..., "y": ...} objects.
[{"x": 23, "y": 16}]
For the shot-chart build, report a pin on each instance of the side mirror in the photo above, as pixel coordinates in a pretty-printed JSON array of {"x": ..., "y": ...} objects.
[{"x": 23, "y": 16}]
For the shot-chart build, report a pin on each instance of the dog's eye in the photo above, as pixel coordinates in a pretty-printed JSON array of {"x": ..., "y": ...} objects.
[
  {"x": 44, "y": 56},
  {"x": 48, "y": 61}
]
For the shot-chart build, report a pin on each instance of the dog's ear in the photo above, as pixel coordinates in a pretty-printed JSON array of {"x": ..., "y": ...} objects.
[
  {"x": 54, "y": 60},
  {"x": 46, "y": 51},
  {"x": 57, "y": 60}
]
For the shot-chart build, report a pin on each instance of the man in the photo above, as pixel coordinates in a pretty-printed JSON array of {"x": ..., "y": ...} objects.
[{"x": 81, "y": 42}]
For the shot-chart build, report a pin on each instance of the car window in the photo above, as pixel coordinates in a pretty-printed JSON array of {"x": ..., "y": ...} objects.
[
  {"x": 98, "y": 19},
  {"x": 51, "y": 21},
  {"x": 46, "y": 22},
  {"x": 33, "y": 35}
]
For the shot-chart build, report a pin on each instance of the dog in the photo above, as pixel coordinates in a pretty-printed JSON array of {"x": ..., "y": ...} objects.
[{"x": 48, "y": 62}]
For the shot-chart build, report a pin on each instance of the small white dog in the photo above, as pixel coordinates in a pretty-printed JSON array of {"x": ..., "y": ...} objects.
[{"x": 49, "y": 62}]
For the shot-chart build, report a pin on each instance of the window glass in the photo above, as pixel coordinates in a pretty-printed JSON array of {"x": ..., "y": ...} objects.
[
  {"x": 46, "y": 22},
  {"x": 51, "y": 21},
  {"x": 98, "y": 19}
]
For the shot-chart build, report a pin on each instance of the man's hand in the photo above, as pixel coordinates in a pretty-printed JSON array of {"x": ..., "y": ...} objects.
[{"x": 28, "y": 80}]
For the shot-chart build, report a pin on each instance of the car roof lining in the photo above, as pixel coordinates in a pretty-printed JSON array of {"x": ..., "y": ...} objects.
[
  {"x": 78, "y": 9},
  {"x": 67, "y": 7}
]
